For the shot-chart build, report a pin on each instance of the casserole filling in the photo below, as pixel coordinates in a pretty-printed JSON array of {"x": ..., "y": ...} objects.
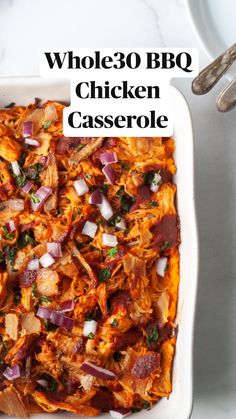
[{"x": 89, "y": 267}]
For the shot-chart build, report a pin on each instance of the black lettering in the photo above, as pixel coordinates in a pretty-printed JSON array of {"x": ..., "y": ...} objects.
[
  {"x": 71, "y": 119},
  {"x": 188, "y": 60},
  {"x": 57, "y": 59}
]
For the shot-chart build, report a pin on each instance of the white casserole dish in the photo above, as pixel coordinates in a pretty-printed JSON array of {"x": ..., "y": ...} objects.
[{"x": 179, "y": 404}]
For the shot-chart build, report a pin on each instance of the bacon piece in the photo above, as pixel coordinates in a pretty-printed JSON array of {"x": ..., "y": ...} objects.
[
  {"x": 120, "y": 300},
  {"x": 102, "y": 400},
  {"x": 166, "y": 233},
  {"x": 145, "y": 365},
  {"x": 143, "y": 196},
  {"x": 128, "y": 338},
  {"x": 11, "y": 403},
  {"x": 64, "y": 144}
]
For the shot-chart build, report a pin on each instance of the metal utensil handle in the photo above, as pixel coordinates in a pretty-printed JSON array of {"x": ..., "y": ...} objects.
[
  {"x": 226, "y": 100},
  {"x": 214, "y": 71}
]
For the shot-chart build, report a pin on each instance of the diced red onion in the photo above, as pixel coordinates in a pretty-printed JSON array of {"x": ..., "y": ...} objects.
[
  {"x": 42, "y": 382},
  {"x": 16, "y": 168},
  {"x": 54, "y": 249},
  {"x": 32, "y": 142},
  {"x": 42, "y": 194},
  {"x": 96, "y": 197},
  {"x": 43, "y": 160},
  {"x": 55, "y": 317},
  {"x": 89, "y": 229},
  {"x": 27, "y": 128},
  {"x": 105, "y": 208},
  {"x": 121, "y": 224},
  {"x": 27, "y": 187},
  {"x": 90, "y": 326},
  {"x": 108, "y": 158},
  {"x": 11, "y": 225},
  {"x": 98, "y": 372},
  {"x": 33, "y": 265},
  {"x": 161, "y": 266},
  {"x": 120, "y": 413},
  {"x": 46, "y": 260},
  {"x": 110, "y": 173},
  {"x": 12, "y": 373},
  {"x": 156, "y": 181},
  {"x": 81, "y": 187},
  {"x": 67, "y": 305},
  {"x": 109, "y": 240},
  {"x": 27, "y": 278}
]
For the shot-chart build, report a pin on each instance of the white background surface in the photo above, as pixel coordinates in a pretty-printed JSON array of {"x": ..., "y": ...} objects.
[{"x": 27, "y": 25}]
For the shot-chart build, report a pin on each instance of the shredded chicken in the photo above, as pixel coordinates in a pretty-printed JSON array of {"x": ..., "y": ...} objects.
[{"x": 87, "y": 320}]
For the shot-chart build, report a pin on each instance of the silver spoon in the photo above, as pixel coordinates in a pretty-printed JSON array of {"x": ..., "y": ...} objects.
[
  {"x": 208, "y": 77},
  {"x": 226, "y": 100}
]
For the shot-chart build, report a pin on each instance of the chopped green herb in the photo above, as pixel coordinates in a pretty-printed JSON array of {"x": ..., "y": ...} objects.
[
  {"x": 2, "y": 259},
  {"x": 114, "y": 323},
  {"x": 126, "y": 201},
  {"x": 9, "y": 236},
  {"x": 153, "y": 204},
  {"x": 114, "y": 220},
  {"x": 166, "y": 268},
  {"x": 88, "y": 176},
  {"x": 34, "y": 198},
  {"x": 34, "y": 292},
  {"x": 91, "y": 335},
  {"x": 52, "y": 383},
  {"x": 165, "y": 245},
  {"x": 113, "y": 251},
  {"x": 17, "y": 297},
  {"x": 104, "y": 275},
  {"x": 150, "y": 215},
  {"x": 34, "y": 170},
  {"x": 47, "y": 124},
  {"x": 20, "y": 180},
  {"x": 146, "y": 405},
  {"x": 153, "y": 336},
  {"x": 10, "y": 253},
  {"x": 44, "y": 299},
  {"x": 104, "y": 188},
  {"x": 79, "y": 246},
  {"x": 26, "y": 238},
  {"x": 117, "y": 356},
  {"x": 148, "y": 177},
  {"x": 10, "y": 105},
  {"x": 80, "y": 146},
  {"x": 136, "y": 409},
  {"x": 49, "y": 326},
  {"x": 125, "y": 165}
]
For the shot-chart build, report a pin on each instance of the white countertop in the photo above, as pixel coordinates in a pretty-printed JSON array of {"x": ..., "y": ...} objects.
[{"x": 27, "y": 25}]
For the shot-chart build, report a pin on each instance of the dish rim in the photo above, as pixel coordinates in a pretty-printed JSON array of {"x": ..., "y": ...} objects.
[{"x": 178, "y": 97}]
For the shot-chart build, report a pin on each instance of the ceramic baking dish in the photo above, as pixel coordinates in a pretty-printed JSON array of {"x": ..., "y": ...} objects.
[{"x": 179, "y": 404}]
